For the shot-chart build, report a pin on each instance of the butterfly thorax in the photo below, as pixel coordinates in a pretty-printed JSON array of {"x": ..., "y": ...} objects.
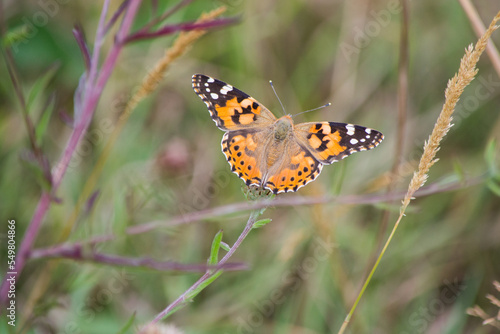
[{"x": 283, "y": 128}]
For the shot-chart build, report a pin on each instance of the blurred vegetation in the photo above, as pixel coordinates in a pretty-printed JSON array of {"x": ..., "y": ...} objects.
[{"x": 308, "y": 264}]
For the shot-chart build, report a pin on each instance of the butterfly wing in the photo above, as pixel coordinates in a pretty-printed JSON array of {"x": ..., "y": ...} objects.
[
  {"x": 249, "y": 158},
  {"x": 244, "y": 150},
  {"x": 298, "y": 167},
  {"x": 229, "y": 107},
  {"x": 329, "y": 142}
]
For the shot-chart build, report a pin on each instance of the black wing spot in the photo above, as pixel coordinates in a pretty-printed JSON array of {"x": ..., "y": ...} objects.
[{"x": 235, "y": 119}]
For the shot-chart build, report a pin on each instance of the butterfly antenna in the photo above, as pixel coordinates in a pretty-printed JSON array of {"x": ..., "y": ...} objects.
[
  {"x": 274, "y": 90},
  {"x": 303, "y": 112}
]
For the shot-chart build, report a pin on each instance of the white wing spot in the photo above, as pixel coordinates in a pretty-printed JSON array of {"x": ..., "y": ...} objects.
[
  {"x": 206, "y": 84},
  {"x": 350, "y": 129},
  {"x": 210, "y": 80},
  {"x": 354, "y": 141},
  {"x": 362, "y": 140},
  {"x": 214, "y": 96},
  {"x": 208, "y": 90},
  {"x": 368, "y": 131},
  {"x": 226, "y": 89}
]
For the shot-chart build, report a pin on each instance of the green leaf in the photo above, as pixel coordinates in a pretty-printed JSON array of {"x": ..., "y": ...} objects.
[
  {"x": 40, "y": 85},
  {"x": 225, "y": 246},
  {"x": 41, "y": 127},
  {"x": 493, "y": 186},
  {"x": 214, "y": 252},
  {"x": 190, "y": 295},
  {"x": 262, "y": 222},
  {"x": 128, "y": 325}
]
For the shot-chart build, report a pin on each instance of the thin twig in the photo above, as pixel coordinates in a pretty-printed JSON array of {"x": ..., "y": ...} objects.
[
  {"x": 184, "y": 297},
  {"x": 480, "y": 29},
  {"x": 83, "y": 254},
  {"x": 171, "y": 28},
  {"x": 279, "y": 202}
]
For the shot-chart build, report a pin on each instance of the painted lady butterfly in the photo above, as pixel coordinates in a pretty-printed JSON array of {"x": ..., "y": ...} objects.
[{"x": 274, "y": 153}]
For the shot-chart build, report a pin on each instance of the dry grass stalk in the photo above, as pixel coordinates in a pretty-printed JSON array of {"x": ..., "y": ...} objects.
[
  {"x": 181, "y": 45},
  {"x": 476, "y": 311},
  {"x": 454, "y": 90}
]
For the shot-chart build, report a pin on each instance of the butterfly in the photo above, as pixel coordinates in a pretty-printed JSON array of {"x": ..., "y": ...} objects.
[{"x": 274, "y": 153}]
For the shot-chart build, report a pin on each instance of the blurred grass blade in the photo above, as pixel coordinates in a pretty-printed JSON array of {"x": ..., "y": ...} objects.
[
  {"x": 490, "y": 158},
  {"x": 41, "y": 127},
  {"x": 457, "y": 168},
  {"x": 493, "y": 186},
  {"x": 214, "y": 252},
  {"x": 16, "y": 35},
  {"x": 40, "y": 86},
  {"x": 33, "y": 164},
  {"x": 262, "y": 222},
  {"x": 128, "y": 325}
]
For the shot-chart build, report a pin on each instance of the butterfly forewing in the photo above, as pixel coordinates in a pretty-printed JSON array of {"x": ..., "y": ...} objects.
[
  {"x": 229, "y": 107},
  {"x": 330, "y": 142}
]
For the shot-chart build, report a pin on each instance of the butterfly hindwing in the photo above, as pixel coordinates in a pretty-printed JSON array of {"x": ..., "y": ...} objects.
[{"x": 299, "y": 167}]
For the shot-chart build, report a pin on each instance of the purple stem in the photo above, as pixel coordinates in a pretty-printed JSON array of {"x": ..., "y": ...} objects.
[
  {"x": 171, "y": 28},
  {"x": 182, "y": 300},
  {"x": 116, "y": 15},
  {"x": 434, "y": 188},
  {"x": 82, "y": 44},
  {"x": 92, "y": 93},
  {"x": 83, "y": 254}
]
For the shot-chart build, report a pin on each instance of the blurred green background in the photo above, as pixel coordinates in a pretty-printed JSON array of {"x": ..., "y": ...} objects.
[{"x": 308, "y": 264}]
